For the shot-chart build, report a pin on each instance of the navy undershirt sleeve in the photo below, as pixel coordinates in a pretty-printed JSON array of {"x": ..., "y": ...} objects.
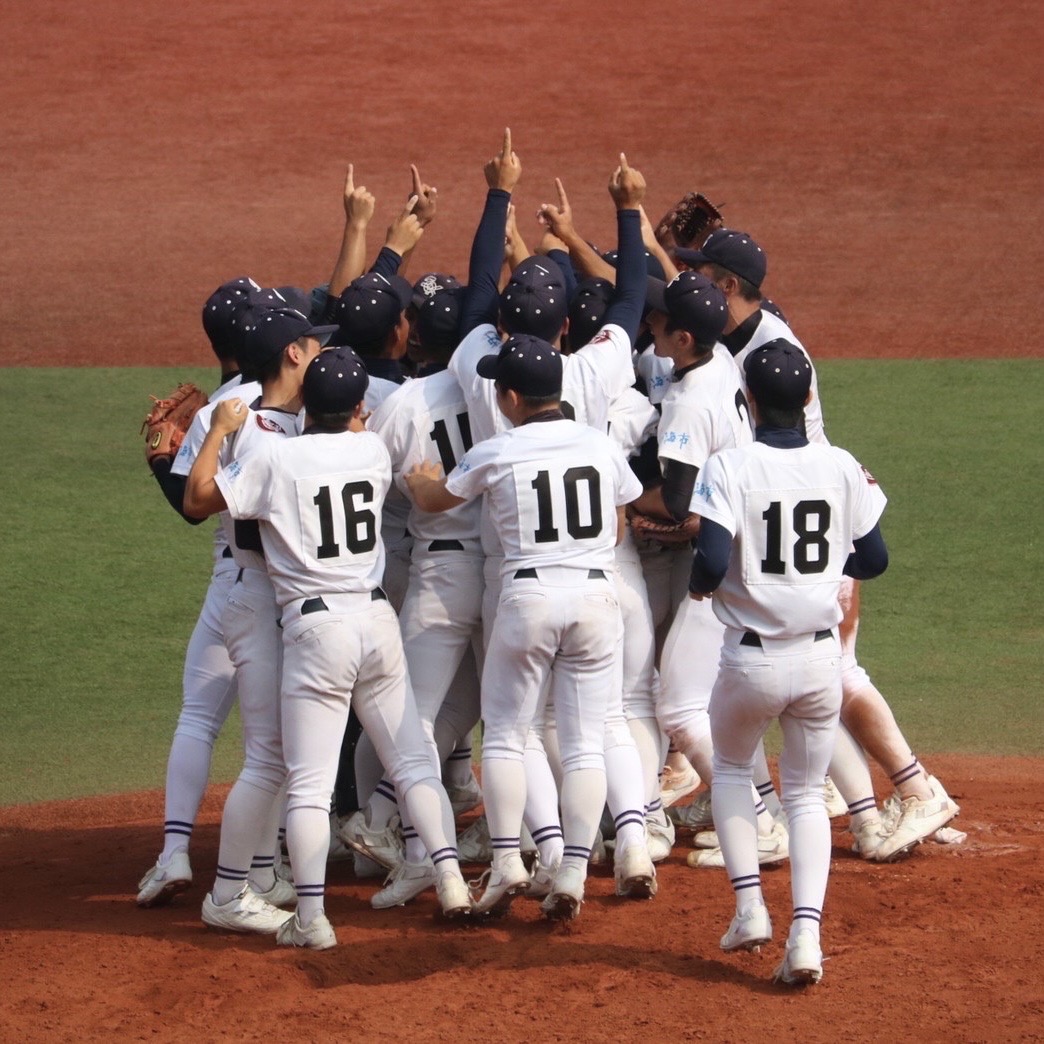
[
  {"x": 870, "y": 557},
  {"x": 387, "y": 263},
  {"x": 711, "y": 561},
  {"x": 679, "y": 480},
  {"x": 625, "y": 309},
  {"x": 173, "y": 487},
  {"x": 482, "y": 297}
]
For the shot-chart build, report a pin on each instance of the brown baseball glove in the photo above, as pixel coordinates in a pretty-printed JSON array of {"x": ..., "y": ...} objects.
[
  {"x": 688, "y": 222},
  {"x": 169, "y": 420}
]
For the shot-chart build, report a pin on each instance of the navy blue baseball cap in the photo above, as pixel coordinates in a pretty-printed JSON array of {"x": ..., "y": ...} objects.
[
  {"x": 534, "y": 300},
  {"x": 438, "y": 319},
  {"x": 778, "y": 375},
  {"x": 691, "y": 302},
  {"x": 735, "y": 251},
  {"x": 268, "y": 331},
  {"x": 335, "y": 382},
  {"x": 429, "y": 285},
  {"x": 369, "y": 309},
  {"x": 587, "y": 309},
  {"x": 526, "y": 364},
  {"x": 222, "y": 313}
]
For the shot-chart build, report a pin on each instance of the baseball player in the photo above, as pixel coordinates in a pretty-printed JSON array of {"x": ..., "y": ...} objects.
[
  {"x": 779, "y": 521},
  {"x": 737, "y": 265},
  {"x": 208, "y": 680},
  {"x": 318, "y": 498},
  {"x": 556, "y": 491},
  {"x": 277, "y": 347}
]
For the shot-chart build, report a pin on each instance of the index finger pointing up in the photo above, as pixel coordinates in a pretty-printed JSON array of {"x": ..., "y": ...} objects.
[
  {"x": 623, "y": 162},
  {"x": 506, "y": 153}
]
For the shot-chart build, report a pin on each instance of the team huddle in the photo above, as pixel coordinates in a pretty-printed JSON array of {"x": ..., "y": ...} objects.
[{"x": 585, "y": 499}]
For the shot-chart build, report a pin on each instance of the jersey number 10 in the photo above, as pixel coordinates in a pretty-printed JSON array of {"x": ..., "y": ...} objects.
[{"x": 546, "y": 531}]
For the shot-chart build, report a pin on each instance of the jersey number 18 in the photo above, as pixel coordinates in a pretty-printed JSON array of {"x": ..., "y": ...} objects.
[{"x": 810, "y": 521}]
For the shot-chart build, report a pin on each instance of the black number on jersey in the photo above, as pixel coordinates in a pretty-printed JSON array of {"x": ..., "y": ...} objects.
[
  {"x": 742, "y": 408},
  {"x": 810, "y": 521},
  {"x": 360, "y": 524},
  {"x": 546, "y": 531},
  {"x": 440, "y": 436}
]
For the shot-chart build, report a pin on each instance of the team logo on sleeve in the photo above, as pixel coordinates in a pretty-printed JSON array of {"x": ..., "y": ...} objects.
[
  {"x": 703, "y": 491},
  {"x": 265, "y": 424},
  {"x": 870, "y": 480},
  {"x": 602, "y": 335}
]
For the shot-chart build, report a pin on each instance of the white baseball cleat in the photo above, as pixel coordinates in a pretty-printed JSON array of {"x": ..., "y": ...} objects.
[
  {"x": 868, "y": 837},
  {"x": 634, "y": 873},
  {"x": 245, "y": 913},
  {"x": 384, "y": 845},
  {"x": 542, "y": 879},
  {"x": 772, "y": 848},
  {"x": 918, "y": 820},
  {"x": 567, "y": 894},
  {"x": 319, "y": 935},
  {"x": 675, "y": 785},
  {"x": 454, "y": 897},
  {"x": 165, "y": 880},
  {"x": 749, "y": 930},
  {"x": 836, "y": 805},
  {"x": 282, "y": 893},
  {"x": 404, "y": 883},
  {"x": 501, "y": 885},
  {"x": 659, "y": 836},
  {"x": 802, "y": 963}
]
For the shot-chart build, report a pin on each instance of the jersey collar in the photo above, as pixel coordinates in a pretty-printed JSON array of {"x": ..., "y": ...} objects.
[
  {"x": 781, "y": 438},
  {"x": 740, "y": 337}
]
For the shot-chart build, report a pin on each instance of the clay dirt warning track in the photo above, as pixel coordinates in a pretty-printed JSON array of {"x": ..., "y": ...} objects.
[{"x": 947, "y": 945}]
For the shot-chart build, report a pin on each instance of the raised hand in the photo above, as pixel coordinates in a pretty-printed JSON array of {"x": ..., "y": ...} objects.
[
  {"x": 427, "y": 197},
  {"x": 229, "y": 415},
  {"x": 405, "y": 231},
  {"x": 359, "y": 204},
  {"x": 559, "y": 219},
  {"x": 626, "y": 186},
  {"x": 503, "y": 171}
]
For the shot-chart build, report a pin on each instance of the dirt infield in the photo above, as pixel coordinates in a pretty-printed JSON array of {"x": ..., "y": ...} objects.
[
  {"x": 948, "y": 944},
  {"x": 890, "y": 166}
]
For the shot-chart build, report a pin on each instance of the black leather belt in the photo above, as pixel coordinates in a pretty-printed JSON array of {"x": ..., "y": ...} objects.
[
  {"x": 531, "y": 574},
  {"x": 227, "y": 553},
  {"x": 445, "y": 545},
  {"x": 317, "y": 605},
  {"x": 750, "y": 638}
]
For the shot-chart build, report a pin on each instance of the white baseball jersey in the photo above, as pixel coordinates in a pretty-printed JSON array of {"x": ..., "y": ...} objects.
[
  {"x": 427, "y": 420},
  {"x": 769, "y": 328},
  {"x": 793, "y": 514},
  {"x": 186, "y": 456},
  {"x": 319, "y": 498},
  {"x": 591, "y": 378},
  {"x": 632, "y": 421},
  {"x": 397, "y": 507},
  {"x": 656, "y": 372},
  {"x": 703, "y": 412},
  {"x": 263, "y": 423},
  {"x": 553, "y": 488}
]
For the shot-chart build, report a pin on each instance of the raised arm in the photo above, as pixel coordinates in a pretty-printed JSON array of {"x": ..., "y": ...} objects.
[
  {"x": 487, "y": 249},
  {"x": 202, "y": 495},
  {"x": 559, "y": 219},
  {"x": 358, "y": 210},
  {"x": 627, "y": 187}
]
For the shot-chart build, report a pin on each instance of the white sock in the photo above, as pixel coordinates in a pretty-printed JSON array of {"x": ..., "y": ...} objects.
[
  {"x": 308, "y": 840},
  {"x": 583, "y": 798},
  {"x": 851, "y": 775},
  {"x": 188, "y": 768}
]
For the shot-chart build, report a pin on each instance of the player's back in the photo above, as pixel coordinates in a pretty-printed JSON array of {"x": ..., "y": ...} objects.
[
  {"x": 322, "y": 529},
  {"x": 795, "y": 512},
  {"x": 427, "y": 419},
  {"x": 553, "y": 494}
]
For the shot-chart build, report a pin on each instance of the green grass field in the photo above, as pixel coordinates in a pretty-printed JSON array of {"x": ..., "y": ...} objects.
[{"x": 102, "y": 582}]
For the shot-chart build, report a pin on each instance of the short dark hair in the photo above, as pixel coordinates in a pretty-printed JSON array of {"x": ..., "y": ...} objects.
[
  {"x": 747, "y": 290},
  {"x": 332, "y": 422},
  {"x": 775, "y": 417},
  {"x": 269, "y": 370},
  {"x": 702, "y": 347},
  {"x": 532, "y": 402}
]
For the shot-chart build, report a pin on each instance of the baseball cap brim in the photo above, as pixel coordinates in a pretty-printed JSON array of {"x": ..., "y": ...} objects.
[
  {"x": 322, "y": 332},
  {"x": 487, "y": 367},
  {"x": 690, "y": 257},
  {"x": 655, "y": 294}
]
